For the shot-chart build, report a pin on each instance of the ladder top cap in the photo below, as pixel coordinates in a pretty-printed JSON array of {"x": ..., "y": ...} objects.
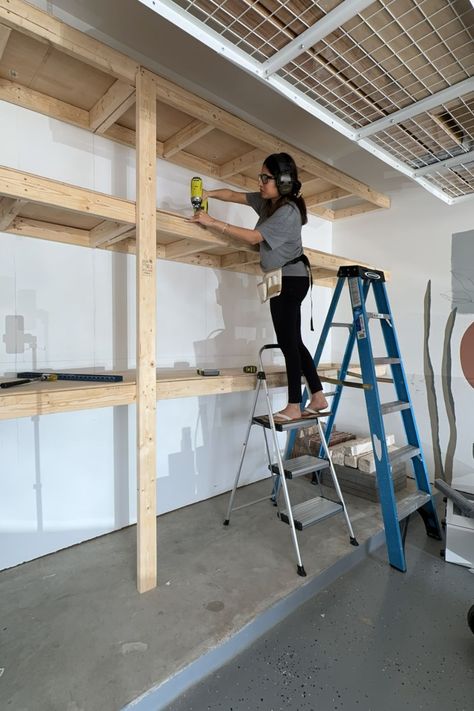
[{"x": 355, "y": 270}]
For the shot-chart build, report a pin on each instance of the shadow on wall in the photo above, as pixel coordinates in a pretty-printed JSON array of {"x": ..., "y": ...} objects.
[
  {"x": 210, "y": 448},
  {"x": 462, "y": 302}
]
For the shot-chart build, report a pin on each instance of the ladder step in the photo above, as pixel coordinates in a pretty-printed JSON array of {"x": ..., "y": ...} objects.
[
  {"x": 394, "y": 406},
  {"x": 311, "y": 511},
  {"x": 306, "y": 464},
  {"x": 403, "y": 454},
  {"x": 300, "y": 422},
  {"x": 386, "y": 360},
  {"x": 412, "y": 503},
  {"x": 339, "y": 324}
]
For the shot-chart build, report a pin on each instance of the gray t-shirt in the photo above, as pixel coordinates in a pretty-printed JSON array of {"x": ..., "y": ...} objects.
[{"x": 281, "y": 234}]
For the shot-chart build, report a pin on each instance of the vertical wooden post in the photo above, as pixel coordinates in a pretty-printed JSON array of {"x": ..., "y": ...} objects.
[{"x": 146, "y": 326}]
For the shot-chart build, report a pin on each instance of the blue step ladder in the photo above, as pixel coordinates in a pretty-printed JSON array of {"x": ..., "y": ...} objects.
[{"x": 360, "y": 281}]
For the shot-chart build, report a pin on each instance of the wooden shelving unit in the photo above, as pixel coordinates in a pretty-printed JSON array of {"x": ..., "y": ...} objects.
[
  {"x": 58, "y": 71},
  {"x": 46, "y": 398}
]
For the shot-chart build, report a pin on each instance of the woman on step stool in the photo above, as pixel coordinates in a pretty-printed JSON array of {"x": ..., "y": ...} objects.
[{"x": 281, "y": 214}]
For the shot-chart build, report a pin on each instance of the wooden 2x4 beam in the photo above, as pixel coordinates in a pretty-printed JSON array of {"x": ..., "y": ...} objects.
[
  {"x": 146, "y": 328},
  {"x": 113, "y": 104},
  {"x": 187, "y": 136},
  {"x": 4, "y": 36},
  {"x": 53, "y": 193},
  {"x": 9, "y": 209}
]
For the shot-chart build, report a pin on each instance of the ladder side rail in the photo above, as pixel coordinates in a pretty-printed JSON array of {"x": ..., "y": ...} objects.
[
  {"x": 281, "y": 476},
  {"x": 242, "y": 456},
  {"x": 396, "y": 554},
  {"x": 328, "y": 320},
  {"x": 342, "y": 374},
  {"x": 282, "y": 481},
  {"x": 418, "y": 462},
  {"x": 401, "y": 387}
]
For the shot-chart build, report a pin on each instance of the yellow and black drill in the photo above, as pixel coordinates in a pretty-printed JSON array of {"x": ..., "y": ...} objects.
[{"x": 196, "y": 195}]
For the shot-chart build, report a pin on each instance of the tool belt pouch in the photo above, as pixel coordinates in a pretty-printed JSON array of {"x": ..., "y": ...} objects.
[{"x": 270, "y": 285}]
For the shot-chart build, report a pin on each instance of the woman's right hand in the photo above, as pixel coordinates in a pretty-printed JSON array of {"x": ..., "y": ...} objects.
[{"x": 203, "y": 218}]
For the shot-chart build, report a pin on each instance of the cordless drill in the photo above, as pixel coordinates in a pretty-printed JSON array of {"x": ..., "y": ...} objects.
[{"x": 196, "y": 195}]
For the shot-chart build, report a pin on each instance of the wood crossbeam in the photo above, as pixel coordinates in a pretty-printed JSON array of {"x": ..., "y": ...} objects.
[
  {"x": 9, "y": 209},
  {"x": 185, "y": 137},
  {"x": 4, "y": 36},
  {"x": 107, "y": 232},
  {"x": 253, "y": 157},
  {"x": 113, "y": 104},
  {"x": 326, "y": 196},
  {"x": 358, "y": 209}
]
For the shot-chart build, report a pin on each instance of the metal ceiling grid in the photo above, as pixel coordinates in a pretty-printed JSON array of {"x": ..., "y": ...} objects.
[
  {"x": 377, "y": 63},
  {"x": 394, "y": 75},
  {"x": 433, "y": 137},
  {"x": 259, "y": 28}
]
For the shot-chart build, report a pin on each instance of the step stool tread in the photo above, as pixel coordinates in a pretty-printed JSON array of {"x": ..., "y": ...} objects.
[
  {"x": 311, "y": 511},
  {"x": 264, "y": 421},
  {"x": 298, "y": 466}
]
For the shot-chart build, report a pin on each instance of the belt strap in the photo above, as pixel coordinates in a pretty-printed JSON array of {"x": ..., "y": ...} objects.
[{"x": 303, "y": 258}]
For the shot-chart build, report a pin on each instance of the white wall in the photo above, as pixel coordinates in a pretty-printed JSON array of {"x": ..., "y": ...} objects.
[
  {"x": 413, "y": 240},
  {"x": 69, "y": 477}
]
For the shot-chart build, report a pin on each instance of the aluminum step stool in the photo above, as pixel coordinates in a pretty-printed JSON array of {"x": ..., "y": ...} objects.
[{"x": 309, "y": 512}]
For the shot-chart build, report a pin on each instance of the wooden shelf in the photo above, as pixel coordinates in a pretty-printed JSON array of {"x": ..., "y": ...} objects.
[
  {"x": 46, "y": 398},
  {"x": 39, "y": 207}
]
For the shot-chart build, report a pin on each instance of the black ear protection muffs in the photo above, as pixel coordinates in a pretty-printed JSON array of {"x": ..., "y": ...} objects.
[{"x": 284, "y": 181}]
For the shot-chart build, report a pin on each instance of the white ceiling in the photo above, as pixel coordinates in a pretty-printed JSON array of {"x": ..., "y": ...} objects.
[{"x": 133, "y": 28}]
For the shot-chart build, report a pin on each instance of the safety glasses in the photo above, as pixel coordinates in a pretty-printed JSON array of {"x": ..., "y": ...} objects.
[{"x": 264, "y": 178}]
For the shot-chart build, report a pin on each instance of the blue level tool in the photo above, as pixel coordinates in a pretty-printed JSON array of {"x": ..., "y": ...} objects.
[
  {"x": 361, "y": 281},
  {"x": 88, "y": 377}
]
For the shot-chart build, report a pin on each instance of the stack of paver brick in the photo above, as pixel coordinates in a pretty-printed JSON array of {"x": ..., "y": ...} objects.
[
  {"x": 353, "y": 460},
  {"x": 309, "y": 442},
  {"x": 354, "y": 463}
]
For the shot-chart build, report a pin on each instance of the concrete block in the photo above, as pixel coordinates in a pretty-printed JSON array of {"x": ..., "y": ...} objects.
[
  {"x": 362, "y": 445},
  {"x": 366, "y": 462}
]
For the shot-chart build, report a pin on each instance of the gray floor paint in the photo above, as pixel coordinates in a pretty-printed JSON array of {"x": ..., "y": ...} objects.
[{"x": 375, "y": 640}]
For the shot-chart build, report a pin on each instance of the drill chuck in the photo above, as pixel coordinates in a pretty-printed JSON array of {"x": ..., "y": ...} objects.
[{"x": 196, "y": 193}]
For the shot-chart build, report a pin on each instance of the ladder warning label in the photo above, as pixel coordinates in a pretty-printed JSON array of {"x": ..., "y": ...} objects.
[
  {"x": 354, "y": 292},
  {"x": 360, "y": 327}
]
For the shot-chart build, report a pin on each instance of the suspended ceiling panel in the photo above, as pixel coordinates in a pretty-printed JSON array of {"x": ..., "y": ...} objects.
[{"x": 394, "y": 75}]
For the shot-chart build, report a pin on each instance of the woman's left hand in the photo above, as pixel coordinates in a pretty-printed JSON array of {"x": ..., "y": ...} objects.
[{"x": 203, "y": 218}]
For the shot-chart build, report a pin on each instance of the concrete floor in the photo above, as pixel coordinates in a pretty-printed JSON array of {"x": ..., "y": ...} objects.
[
  {"x": 76, "y": 636},
  {"x": 375, "y": 640}
]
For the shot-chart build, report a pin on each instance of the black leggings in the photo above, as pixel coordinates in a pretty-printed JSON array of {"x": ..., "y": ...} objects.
[{"x": 286, "y": 317}]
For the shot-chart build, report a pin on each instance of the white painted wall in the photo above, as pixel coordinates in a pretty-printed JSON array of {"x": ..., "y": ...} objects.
[
  {"x": 68, "y": 477},
  {"x": 413, "y": 241}
]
